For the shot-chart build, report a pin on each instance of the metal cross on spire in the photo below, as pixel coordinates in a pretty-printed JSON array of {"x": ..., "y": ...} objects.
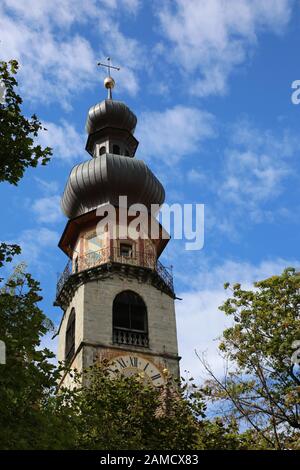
[{"x": 109, "y": 82}]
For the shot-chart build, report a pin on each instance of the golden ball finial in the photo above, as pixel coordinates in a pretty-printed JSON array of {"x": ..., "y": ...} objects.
[{"x": 109, "y": 83}]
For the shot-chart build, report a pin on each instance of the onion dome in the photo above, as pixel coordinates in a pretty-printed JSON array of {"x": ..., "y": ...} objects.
[
  {"x": 110, "y": 113},
  {"x": 103, "y": 179},
  {"x": 111, "y": 122},
  {"x": 112, "y": 172}
]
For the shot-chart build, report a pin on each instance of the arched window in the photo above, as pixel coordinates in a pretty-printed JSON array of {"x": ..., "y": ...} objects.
[
  {"x": 102, "y": 150},
  {"x": 70, "y": 337},
  {"x": 116, "y": 149},
  {"x": 130, "y": 324}
]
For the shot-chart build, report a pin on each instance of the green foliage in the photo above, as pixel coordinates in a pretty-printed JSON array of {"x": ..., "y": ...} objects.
[
  {"x": 7, "y": 252},
  {"x": 125, "y": 413},
  {"x": 28, "y": 418},
  {"x": 215, "y": 434},
  {"x": 28, "y": 378},
  {"x": 18, "y": 149},
  {"x": 100, "y": 411},
  {"x": 262, "y": 387}
]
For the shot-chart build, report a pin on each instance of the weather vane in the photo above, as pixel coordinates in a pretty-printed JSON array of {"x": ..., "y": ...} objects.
[{"x": 109, "y": 82}]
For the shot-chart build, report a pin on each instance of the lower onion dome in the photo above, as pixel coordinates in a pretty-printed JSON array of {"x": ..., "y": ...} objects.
[{"x": 105, "y": 178}]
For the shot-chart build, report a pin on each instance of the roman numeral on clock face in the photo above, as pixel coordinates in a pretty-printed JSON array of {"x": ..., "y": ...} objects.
[
  {"x": 122, "y": 363},
  {"x": 155, "y": 377},
  {"x": 140, "y": 364},
  {"x": 134, "y": 361}
]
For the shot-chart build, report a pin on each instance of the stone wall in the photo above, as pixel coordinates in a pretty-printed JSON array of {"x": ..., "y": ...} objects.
[
  {"x": 93, "y": 303},
  {"x": 77, "y": 303},
  {"x": 98, "y": 305}
]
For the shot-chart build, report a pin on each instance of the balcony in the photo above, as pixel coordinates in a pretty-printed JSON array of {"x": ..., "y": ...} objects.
[
  {"x": 113, "y": 256},
  {"x": 132, "y": 338}
]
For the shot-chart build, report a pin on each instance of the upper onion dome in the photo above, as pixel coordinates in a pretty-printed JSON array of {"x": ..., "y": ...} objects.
[
  {"x": 113, "y": 122},
  {"x": 110, "y": 113}
]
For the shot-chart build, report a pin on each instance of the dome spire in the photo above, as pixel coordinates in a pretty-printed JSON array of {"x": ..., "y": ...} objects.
[{"x": 109, "y": 82}]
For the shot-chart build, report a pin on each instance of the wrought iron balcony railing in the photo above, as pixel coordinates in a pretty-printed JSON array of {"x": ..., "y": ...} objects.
[
  {"x": 114, "y": 255},
  {"x": 132, "y": 338}
]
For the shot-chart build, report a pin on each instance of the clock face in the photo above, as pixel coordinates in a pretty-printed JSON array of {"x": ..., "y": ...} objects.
[{"x": 133, "y": 364}]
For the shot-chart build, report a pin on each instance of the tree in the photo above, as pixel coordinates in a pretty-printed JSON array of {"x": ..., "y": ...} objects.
[
  {"x": 217, "y": 434},
  {"x": 7, "y": 252},
  {"x": 126, "y": 413},
  {"x": 30, "y": 417},
  {"x": 17, "y": 134},
  {"x": 28, "y": 379},
  {"x": 18, "y": 149},
  {"x": 262, "y": 386}
]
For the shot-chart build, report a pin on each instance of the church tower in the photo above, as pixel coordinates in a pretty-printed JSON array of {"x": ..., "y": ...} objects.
[{"x": 116, "y": 296}]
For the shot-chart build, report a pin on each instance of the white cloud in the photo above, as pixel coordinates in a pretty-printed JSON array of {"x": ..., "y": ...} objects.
[
  {"x": 48, "y": 187},
  {"x": 246, "y": 135},
  {"x": 67, "y": 143},
  {"x": 173, "y": 133},
  {"x": 129, "y": 54},
  {"x": 48, "y": 209},
  {"x": 131, "y": 5},
  {"x": 256, "y": 166},
  {"x": 199, "y": 325},
  {"x": 56, "y": 61},
  {"x": 60, "y": 12},
  {"x": 252, "y": 178},
  {"x": 36, "y": 244},
  {"x": 51, "y": 69},
  {"x": 195, "y": 176},
  {"x": 211, "y": 37},
  {"x": 199, "y": 322}
]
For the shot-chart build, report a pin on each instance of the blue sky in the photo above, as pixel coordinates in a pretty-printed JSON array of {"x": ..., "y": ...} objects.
[{"x": 210, "y": 82}]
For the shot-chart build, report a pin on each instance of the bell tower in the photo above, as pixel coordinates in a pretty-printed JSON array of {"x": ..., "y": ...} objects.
[{"x": 116, "y": 296}]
